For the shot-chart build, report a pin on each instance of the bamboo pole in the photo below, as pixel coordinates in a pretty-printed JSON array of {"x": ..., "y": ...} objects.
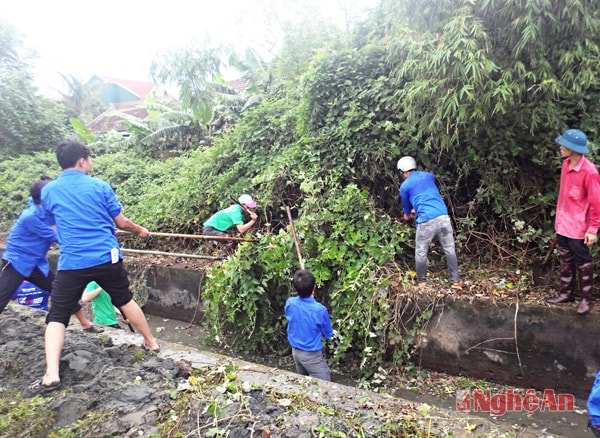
[
  {"x": 196, "y": 236},
  {"x": 289, "y": 213},
  {"x": 171, "y": 254},
  {"x": 143, "y": 251}
]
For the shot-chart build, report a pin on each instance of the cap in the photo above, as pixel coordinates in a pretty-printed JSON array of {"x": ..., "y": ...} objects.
[{"x": 247, "y": 201}]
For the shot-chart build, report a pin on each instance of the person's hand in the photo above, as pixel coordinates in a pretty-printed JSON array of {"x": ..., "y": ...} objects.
[
  {"x": 589, "y": 239},
  {"x": 144, "y": 232},
  {"x": 123, "y": 320},
  {"x": 253, "y": 216},
  {"x": 411, "y": 216}
]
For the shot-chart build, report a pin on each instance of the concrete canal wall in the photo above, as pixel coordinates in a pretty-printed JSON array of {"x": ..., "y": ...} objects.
[{"x": 529, "y": 346}]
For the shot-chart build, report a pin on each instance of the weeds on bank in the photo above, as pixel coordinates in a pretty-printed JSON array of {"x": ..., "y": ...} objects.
[
  {"x": 30, "y": 417},
  {"x": 213, "y": 402},
  {"x": 24, "y": 416},
  {"x": 85, "y": 427}
]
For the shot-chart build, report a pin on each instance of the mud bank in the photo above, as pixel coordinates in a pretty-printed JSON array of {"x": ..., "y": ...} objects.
[{"x": 111, "y": 387}]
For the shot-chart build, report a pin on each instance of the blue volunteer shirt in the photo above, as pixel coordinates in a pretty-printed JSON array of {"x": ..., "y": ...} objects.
[
  {"x": 28, "y": 242},
  {"x": 308, "y": 321},
  {"x": 419, "y": 192},
  {"x": 593, "y": 403},
  {"x": 82, "y": 208}
]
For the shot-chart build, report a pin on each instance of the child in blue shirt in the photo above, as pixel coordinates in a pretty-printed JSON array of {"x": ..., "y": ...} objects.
[{"x": 308, "y": 321}]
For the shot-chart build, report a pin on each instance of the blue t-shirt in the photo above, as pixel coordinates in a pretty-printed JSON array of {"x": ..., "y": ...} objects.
[
  {"x": 28, "y": 242},
  {"x": 593, "y": 403},
  {"x": 308, "y": 321},
  {"x": 419, "y": 192},
  {"x": 82, "y": 208}
]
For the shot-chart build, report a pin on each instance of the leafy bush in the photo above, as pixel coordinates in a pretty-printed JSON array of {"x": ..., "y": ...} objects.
[
  {"x": 16, "y": 175},
  {"x": 346, "y": 244}
]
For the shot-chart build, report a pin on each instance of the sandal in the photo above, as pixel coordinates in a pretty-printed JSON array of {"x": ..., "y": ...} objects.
[
  {"x": 39, "y": 386},
  {"x": 94, "y": 329},
  {"x": 148, "y": 349}
]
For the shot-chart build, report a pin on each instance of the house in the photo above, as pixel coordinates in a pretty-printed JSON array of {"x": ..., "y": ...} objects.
[
  {"x": 121, "y": 96},
  {"x": 114, "y": 91},
  {"x": 129, "y": 96},
  {"x": 239, "y": 85}
]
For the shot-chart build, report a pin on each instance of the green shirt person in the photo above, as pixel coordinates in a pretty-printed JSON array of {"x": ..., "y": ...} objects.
[
  {"x": 228, "y": 218},
  {"x": 104, "y": 311}
]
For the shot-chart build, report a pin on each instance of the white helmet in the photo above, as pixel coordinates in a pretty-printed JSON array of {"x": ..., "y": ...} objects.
[{"x": 406, "y": 164}]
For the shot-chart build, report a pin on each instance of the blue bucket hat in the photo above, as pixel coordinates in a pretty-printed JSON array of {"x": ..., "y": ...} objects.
[{"x": 575, "y": 140}]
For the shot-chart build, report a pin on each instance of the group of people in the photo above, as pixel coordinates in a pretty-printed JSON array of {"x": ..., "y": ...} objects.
[
  {"x": 576, "y": 223},
  {"x": 81, "y": 213}
]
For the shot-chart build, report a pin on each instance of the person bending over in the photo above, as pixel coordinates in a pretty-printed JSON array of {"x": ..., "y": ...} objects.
[
  {"x": 222, "y": 221},
  {"x": 24, "y": 258}
]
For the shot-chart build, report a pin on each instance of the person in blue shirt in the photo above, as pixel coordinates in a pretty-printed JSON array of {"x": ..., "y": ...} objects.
[
  {"x": 308, "y": 322},
  {"x": 421, "y": 200},
  {"x": 593, "y": 407},
  {"x": 24, "y": 258},
  {"x": 42, "y": 178},
  {"x": 85, "y": 211}
]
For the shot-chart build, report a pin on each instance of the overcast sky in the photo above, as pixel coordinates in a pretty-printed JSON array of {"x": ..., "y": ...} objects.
[{"x": 120, "y": 38}]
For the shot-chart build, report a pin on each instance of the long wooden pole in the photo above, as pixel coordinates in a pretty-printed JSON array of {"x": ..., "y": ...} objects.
[
  {"x": 143, "y": 251},
  {"x": 289, "y": 214},
  {"x": 197, "y": 236},
  {"x": 172, "y": 254}
]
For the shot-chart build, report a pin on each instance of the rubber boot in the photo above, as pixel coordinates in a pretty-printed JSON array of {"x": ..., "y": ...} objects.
[
  {"x": 586, "y": 284},
  {"x": 567, "y": 277}
]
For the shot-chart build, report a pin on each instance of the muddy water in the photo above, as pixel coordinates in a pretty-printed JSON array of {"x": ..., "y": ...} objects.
[{"x": 563, "y": 424}]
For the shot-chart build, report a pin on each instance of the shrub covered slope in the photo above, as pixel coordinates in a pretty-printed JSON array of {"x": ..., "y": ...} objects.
[{"x": 476, "y": 91}]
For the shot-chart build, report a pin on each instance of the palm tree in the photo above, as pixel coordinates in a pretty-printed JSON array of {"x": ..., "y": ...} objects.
[{"x": 82, "y": 101}]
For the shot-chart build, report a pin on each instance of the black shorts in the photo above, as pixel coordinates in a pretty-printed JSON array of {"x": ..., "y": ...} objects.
[{"x": 69, "y": 285}]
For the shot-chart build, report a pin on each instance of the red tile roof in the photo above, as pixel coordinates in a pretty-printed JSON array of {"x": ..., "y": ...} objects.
[{"x": 139, "y": 88}]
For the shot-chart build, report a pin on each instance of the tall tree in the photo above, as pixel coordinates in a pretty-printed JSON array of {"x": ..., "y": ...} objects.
[
  {"x": 29, "y": 122},
  {"x": 81, "y": 101}
]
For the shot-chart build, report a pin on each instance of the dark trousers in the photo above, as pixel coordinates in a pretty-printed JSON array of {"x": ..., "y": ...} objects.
[
  {"x": 228, "y": 247},
  {"x": 10, "y": 280},
  {"x": 595, "y": 430},
  {"x": 580, "y": 251},
  {"x": 70, "y": 284}
]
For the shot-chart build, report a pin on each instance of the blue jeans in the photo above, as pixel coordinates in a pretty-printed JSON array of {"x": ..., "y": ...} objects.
[
  {"x": 439, "y": 227},
  {"x": 311, "y": 363}
]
